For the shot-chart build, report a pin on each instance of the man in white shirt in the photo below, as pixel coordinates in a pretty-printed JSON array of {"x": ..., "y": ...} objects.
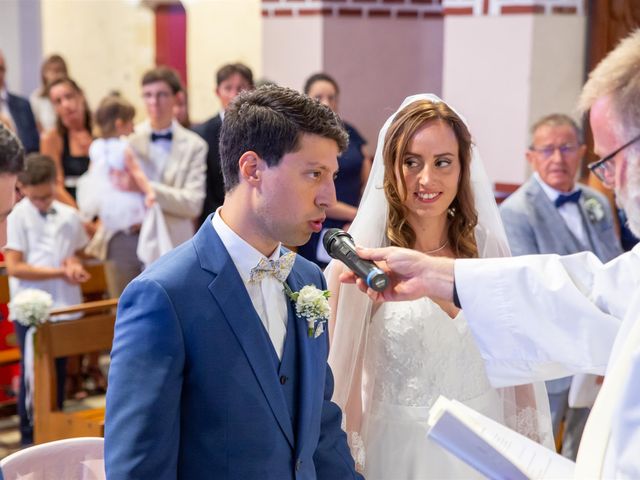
[
  {"x": 544, "y": 317},
  {"x": 215, "y": 372},
  {"x": 551, "y": 213},
  {"x": 11, "y": 163}
]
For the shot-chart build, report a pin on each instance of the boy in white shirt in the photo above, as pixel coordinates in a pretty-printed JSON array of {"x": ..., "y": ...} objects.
[{"x": 44, "y": 237}]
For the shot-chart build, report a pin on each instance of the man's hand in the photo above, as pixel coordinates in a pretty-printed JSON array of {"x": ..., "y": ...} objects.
[{"x": 411, "y": 274}]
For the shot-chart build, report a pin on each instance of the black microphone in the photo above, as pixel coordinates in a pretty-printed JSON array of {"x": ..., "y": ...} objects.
[{"x": 339, "y": 245}]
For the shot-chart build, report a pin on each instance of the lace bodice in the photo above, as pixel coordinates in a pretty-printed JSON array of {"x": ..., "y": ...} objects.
[{"x": 416, "y": 352}]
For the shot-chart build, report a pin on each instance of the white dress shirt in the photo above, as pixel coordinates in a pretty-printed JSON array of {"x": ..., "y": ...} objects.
[
  {"x": 267, "y": 296},
  {"x": 159, "y": 151},
  {"x": 570, "y": 212},
  {"x": 45, "y": 241}
]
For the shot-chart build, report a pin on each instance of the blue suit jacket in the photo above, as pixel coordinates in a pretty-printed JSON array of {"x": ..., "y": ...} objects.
[
  {"x": 25, "y": 122},
  {"x": 193, "y": 392}
]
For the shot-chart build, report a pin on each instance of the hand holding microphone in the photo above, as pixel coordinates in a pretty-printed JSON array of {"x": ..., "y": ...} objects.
[{"x": 340, "y": 245}]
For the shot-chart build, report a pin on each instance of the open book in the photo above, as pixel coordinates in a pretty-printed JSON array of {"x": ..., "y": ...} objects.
[{"x": 494, "y": 450}]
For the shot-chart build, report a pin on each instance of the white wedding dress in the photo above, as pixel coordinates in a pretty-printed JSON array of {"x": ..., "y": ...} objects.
[{"x": 416, "y": 352}]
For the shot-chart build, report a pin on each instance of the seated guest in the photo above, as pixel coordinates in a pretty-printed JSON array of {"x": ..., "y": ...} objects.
[
  {"x": 68, "y": 144},
  {"x": 354, "y": 171},
  {"x": 53, "y": 68},
  {"x": 231, "y": 79},
  {"x": 551, "y": 213},
  {"x": 44, "y": 238},
  {"x": 16, "y": 113}
]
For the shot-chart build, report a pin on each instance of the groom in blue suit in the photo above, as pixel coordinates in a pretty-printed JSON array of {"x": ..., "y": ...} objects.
[{"x": 213, "y": 373}]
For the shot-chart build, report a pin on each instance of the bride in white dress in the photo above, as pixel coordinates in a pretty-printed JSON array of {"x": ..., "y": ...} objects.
[{"x": 427, "y": 191}]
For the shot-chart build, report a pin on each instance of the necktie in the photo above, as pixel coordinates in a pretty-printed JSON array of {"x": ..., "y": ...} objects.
[
  {"x": 161, "y": 136},
  {"x": 570, "y": 198},
  {"x": 279, "y": 268}
]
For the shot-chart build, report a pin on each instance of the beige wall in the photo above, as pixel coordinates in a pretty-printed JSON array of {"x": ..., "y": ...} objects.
[
  {"x": 379, "y": 62},
  {"x": 504, "y": 72},
  {"x": 292, "y": 49},
  {"x": 108, "y": 44},
  {"x": 376, "y": 62},
  {"x": 219, "y": 32}
]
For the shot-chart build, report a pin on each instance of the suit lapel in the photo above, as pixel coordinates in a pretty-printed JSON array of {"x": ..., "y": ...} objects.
[
  {"x": 306, "y": 368},
  {"x": 175, "y": 156},
  {"x": 593, "y": 229},
  {"x": 229, "y": 292}
]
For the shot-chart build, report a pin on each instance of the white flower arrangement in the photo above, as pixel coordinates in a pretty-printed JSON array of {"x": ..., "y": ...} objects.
[
  {"x": 31, "y": 307},
  {"x": 595, "y": 210},
  {"x": 311, "y": 304}
]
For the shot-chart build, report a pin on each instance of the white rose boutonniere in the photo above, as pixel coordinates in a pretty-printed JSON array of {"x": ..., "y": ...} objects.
[
  {"x": 311, "y": 304},
  {"x": 31, "y": 307},
  {"x": 594, "y": 209}
]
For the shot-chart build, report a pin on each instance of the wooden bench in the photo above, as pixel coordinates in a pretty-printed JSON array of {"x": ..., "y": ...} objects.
[{"x": 93, "y": 332}]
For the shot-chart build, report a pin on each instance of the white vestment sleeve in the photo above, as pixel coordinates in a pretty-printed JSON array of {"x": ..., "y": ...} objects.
[
  {"x": 541, "y": 317},
  {"x": 625, "y": 432}
]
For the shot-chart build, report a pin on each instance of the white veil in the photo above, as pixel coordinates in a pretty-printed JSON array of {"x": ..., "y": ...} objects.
[{"x": 526, "y": 407}]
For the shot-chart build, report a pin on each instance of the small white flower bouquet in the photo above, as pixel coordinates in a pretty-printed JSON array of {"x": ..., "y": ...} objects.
[
  {"x": 31, "y": 307},
  {"x": 312, "y": 305}
]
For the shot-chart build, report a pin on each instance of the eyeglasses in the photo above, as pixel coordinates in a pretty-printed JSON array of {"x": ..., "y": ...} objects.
[
  {"x": 548, "y": 151},
  {"x": 605, "y": 168},
  {"x": 160, "y": 96}
]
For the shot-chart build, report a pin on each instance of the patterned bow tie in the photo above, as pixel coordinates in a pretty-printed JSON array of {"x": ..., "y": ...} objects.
[
  {"x": 279, "y": 268},
  {"x": 570, "y": 198},
  {"x": 161, "y": 136}
]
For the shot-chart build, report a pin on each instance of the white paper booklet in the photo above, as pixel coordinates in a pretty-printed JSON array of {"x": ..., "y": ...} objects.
[{"x": 494, "y": 450}]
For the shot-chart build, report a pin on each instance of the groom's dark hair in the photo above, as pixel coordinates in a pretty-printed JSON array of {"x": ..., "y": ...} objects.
[{"x": 270, "y": 121}]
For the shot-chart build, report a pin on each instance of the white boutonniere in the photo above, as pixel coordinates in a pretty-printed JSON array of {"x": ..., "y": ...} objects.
[
  {"x": 594, "y": 209},
  {"x": 312, "y": 305},
  {"x": 31, "y": 307}
]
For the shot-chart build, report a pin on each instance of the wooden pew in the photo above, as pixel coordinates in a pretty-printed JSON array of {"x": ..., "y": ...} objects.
[
  {"x": 93, "y": 332},
  {"x": 96, "y": 287}
]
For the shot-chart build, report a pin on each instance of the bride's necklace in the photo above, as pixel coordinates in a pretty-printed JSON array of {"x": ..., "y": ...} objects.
[{"x": 441, "y": 247}]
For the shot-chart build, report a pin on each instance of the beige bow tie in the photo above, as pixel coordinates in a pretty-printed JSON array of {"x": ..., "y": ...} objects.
[{"x": 279, "y": 268}]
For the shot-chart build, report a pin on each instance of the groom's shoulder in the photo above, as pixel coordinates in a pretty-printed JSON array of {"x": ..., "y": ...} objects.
[{"x": 175, "y": 266}]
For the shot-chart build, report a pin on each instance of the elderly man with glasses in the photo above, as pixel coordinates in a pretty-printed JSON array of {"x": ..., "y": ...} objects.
[
  {"x": 541, "y": 317},
  {"x": 551, "y": 213}
]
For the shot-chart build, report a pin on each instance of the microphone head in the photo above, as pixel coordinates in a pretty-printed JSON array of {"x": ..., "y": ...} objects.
[{"x": 332, "y": 235}]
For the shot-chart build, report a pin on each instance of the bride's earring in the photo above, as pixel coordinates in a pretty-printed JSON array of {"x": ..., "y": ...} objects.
[{"x": 451, "y": 211}]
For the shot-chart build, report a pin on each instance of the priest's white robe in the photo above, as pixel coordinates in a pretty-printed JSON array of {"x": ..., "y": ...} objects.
[{"x": 545, "y": 316}]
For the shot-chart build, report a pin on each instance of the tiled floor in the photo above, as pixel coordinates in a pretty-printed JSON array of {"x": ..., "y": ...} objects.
[{"x": 10, "y": 434}]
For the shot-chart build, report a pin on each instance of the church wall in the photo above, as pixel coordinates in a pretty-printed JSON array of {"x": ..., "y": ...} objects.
[{"x": 508, "y": 63}]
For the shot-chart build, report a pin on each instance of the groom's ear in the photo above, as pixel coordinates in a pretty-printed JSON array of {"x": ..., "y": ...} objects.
[{"x": 250, "y": 167}]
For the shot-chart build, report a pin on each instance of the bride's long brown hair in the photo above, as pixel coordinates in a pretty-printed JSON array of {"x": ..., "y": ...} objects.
[{"x": 465, "y": 218}]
